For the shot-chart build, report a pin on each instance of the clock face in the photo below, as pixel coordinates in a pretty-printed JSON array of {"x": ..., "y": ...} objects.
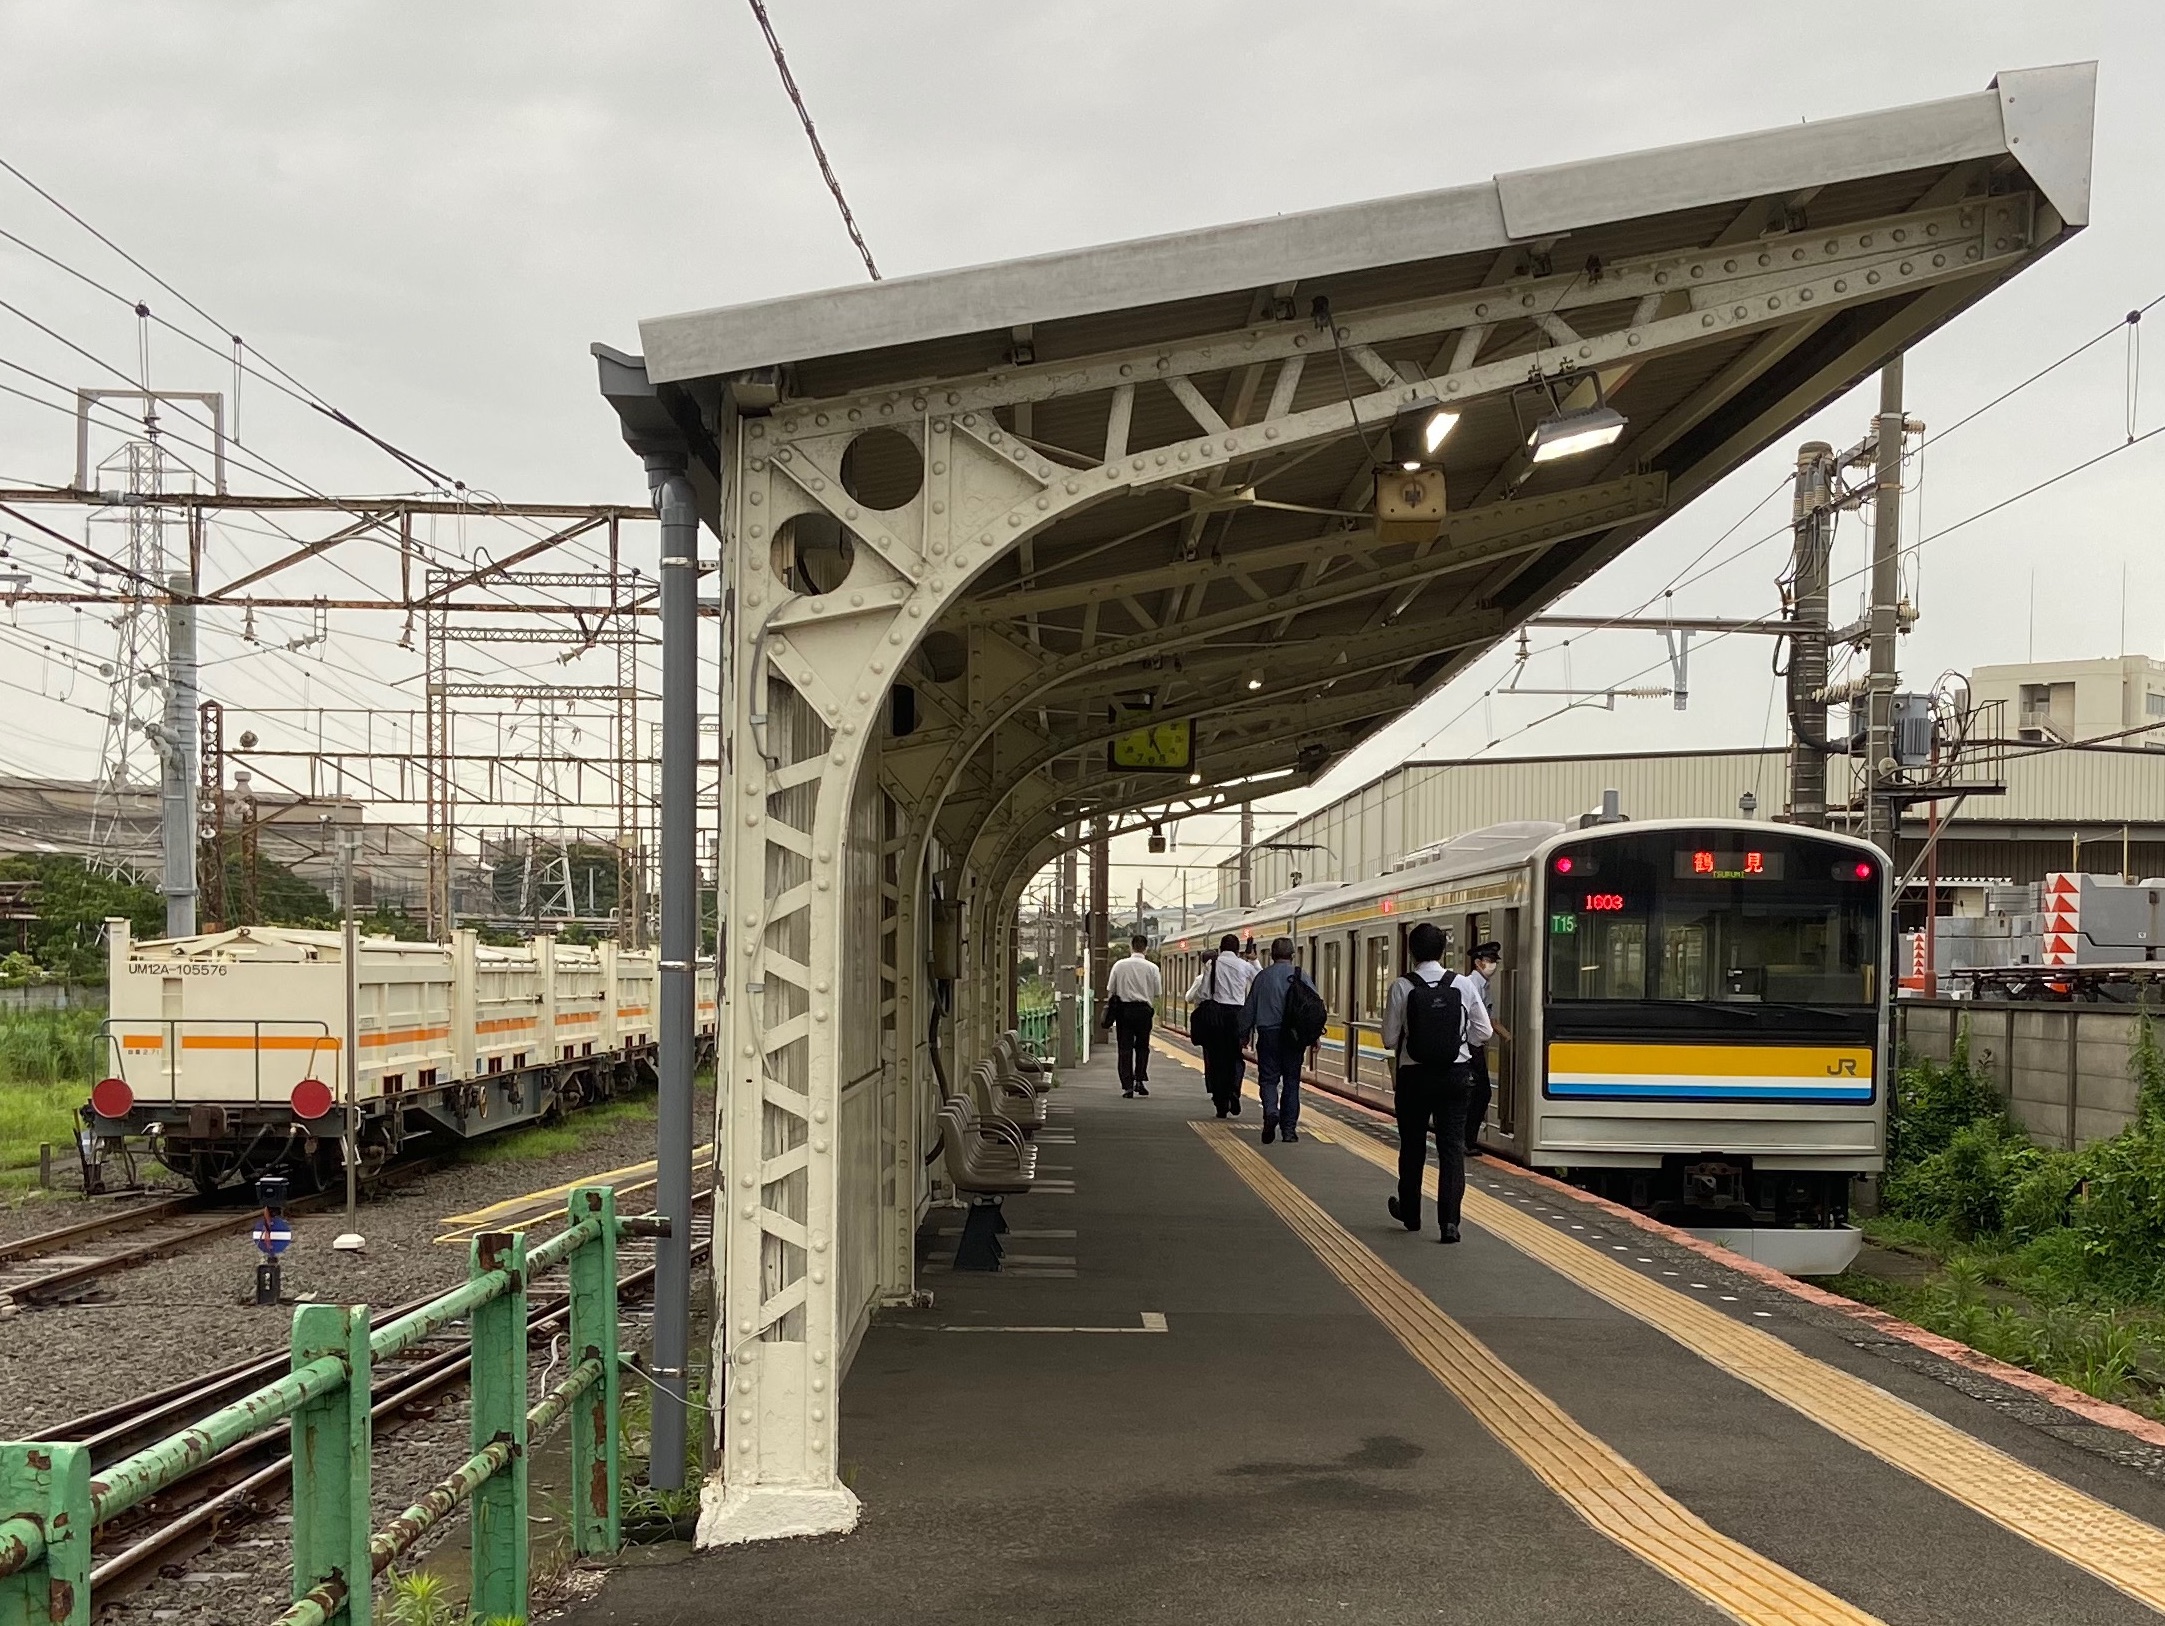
[{"x": 1166, "y": 747}]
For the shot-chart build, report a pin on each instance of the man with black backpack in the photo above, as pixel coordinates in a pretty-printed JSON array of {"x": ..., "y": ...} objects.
[
  {"x": 1431, "y": 1023},
  {"x": 1286, "y": 1015}
]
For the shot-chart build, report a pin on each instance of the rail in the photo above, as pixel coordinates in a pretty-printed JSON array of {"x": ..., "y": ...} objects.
[{"x": 51, "y": 1503}]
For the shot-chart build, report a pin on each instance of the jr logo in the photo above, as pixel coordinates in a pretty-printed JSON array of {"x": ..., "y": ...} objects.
[{"x": 1842, "y": 1067}]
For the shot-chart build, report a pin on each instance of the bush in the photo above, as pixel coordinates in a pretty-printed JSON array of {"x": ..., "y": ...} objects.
[
  {"x": 1934, "y": 1101},
  {"x": 1964, "y": 1188}
]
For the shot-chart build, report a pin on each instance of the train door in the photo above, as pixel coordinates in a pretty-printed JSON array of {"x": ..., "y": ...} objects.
[
  {"x": 1350, "y": 947},
  {"x": 1509, "y": 988},
  {"x": 1330, "y": 979}
]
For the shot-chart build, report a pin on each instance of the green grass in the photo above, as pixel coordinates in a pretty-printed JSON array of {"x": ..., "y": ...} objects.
[
  {"x": 46, "y": 1059},
  {"x": 49, "y": 1047},
  {"x": 558, "y": 1139}
]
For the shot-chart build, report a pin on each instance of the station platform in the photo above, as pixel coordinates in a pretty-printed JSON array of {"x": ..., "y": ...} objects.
[{"x": 1217, "y": 1383}]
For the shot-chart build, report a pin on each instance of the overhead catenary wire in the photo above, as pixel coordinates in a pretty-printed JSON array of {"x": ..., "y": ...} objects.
[{"x": 811, "y": 134}]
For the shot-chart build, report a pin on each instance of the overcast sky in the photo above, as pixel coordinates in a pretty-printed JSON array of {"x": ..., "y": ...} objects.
[{"x": 427, "y": 212}]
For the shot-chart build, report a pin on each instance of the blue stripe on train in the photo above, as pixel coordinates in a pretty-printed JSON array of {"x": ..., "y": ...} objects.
[{"x": 1709, "y": 1092}]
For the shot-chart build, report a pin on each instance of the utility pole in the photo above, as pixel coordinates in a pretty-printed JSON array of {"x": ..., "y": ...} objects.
[
  {"x": 1812, "y": 521},
  {"x": 1064, "y": 983},
  {"x": 1886, "y": 578},
  {"x": 178, "y": 768},
  {"x": 350, "y": 1055},
  {"x": 673, "y": 502},
  {"x": 1101, "y": 906},
  {"x": 1247, "y": 856}
]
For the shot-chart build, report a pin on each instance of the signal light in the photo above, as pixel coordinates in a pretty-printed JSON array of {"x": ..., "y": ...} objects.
[
  {"x": 311, "y": 1099},
  {"x": 111, "y": 1098}
]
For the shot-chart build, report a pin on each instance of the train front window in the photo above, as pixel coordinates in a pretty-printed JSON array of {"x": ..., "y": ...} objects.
[{"x": 1653, "y": 918}]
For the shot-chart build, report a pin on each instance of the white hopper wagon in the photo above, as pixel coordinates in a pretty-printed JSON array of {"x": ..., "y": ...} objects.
[{"x": 226, "y": 1049}]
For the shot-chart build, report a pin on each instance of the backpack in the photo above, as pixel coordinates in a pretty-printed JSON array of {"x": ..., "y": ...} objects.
[
  {"x": 1305, "y": 1013},
  {"x": 1435, "y": 1022}
]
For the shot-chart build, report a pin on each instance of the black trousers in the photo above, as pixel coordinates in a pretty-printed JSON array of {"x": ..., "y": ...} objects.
[
  {"x": 1132, "y": 1024},
  {"x": 1431, "y": 1098},
  {"x": 1477, "y": 1098},
  {"x": 1224, "y": 1067}
]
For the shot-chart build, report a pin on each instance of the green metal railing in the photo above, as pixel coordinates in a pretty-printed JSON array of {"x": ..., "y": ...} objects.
[
  {"x": 1033, "y": 1025},
  {"x": 1036, "y": 1024},
  {"x": 50, "y": 1502}
]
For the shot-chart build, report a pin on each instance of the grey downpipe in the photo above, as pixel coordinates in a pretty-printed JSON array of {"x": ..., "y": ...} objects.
[{"x": 679, "y": 515}]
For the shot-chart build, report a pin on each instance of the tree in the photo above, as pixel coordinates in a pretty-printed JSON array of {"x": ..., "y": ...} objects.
[{"x": 73, "y": 904}]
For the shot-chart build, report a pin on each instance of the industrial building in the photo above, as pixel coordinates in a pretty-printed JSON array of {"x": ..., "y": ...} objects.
[{"x": 2099, "y": 808}]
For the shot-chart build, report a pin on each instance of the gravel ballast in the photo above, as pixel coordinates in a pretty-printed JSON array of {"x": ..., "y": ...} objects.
[{"x": 165, "y": 1321}]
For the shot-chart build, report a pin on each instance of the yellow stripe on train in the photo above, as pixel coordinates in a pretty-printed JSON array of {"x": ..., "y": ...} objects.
[{"x": 1709, "y": 1072}]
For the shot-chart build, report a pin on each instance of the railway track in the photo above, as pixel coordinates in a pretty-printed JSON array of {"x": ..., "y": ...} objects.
[
  {"x": 246, "y": 1481},
  {"x": 52, "y": 1266}
]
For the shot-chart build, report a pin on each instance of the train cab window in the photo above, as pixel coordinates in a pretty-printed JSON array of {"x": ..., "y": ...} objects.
[{"x": 1655, "y": 917}]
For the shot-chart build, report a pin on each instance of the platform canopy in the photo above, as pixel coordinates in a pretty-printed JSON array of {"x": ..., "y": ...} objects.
[{"x": 979, "y": 525}]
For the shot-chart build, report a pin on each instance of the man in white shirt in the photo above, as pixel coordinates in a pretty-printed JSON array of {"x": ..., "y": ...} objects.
[
  {"x": 1131, "y": 997},
  {"x": 1486, "y": 957},
  {"x": 1222, "y": 985},
  {"x": 1429, "y": 1093}
]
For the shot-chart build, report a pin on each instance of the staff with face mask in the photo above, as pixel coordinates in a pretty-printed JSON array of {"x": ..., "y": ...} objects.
[{"x": 1484, "y": 960}]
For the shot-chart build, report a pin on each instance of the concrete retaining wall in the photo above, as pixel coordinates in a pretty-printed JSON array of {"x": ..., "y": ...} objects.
[{"x": 2062, "y": 1068}]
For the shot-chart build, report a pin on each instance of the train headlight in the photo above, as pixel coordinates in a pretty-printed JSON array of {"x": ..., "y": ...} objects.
[
  {"x": 111, "y": 1098},
  {"x": 311, "y": 1099}
]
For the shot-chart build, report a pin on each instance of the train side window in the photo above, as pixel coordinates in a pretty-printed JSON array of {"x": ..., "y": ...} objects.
[
  {"x": 1377, "y": 969},
  {"x": 1333, "y": 975}
]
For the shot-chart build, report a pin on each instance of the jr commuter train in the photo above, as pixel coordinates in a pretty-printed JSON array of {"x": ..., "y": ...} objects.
[
  {"x": 225, "y": 1049},
  {"x": 1694, "y": 1015}
]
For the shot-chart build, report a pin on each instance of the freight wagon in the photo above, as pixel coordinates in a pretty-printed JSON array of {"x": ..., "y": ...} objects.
[{"x": 227, "y": 1050}]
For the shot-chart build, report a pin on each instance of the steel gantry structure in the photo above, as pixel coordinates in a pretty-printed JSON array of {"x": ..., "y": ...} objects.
[{"x": 976, "y": 525}]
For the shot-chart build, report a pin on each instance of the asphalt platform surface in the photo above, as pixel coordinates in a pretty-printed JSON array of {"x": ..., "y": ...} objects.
[{"x": 1276, "y": 1454}]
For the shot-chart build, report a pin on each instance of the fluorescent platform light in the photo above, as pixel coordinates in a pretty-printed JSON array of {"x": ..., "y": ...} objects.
[
  {"x": 1569, "y": 433},
  {"x": 1418, "y": 433}
]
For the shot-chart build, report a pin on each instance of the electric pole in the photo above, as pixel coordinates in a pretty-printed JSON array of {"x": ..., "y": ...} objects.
[
  {"x": 1066, "y": 1050},
  {"x": 1101, "y": 905},
  {"x": 1812, "y": 520},
  {"x": 1247, "y": 858},
  {"x": 1886, "y": 585},
  {"x": 178, "y": 768}
]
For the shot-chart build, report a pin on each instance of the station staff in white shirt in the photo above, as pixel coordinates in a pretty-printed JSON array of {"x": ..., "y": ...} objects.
[
  {"x": 1132, "y": 988},
  {"x": 1486, "y": 957},
  {"x": 1432, "y": 1097}
]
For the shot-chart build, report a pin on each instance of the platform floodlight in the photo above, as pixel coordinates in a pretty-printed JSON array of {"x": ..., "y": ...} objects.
[
  {"x": 1418, "y": 433},
  {"x": 1566, "y": 434}
]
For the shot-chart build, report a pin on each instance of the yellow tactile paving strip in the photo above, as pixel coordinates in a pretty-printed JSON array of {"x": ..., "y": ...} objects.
[
  {"x": 1605, "y": 1490},
  {"x": 2117, "y": 1547}
]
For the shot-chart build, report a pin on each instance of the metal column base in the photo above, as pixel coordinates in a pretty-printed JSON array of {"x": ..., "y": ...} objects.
[{"x": 730, "y": 1518}]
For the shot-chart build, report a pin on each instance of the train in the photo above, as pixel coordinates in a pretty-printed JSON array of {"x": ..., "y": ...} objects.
[
  {"x": 1693, "y": 1014},
  {"x": 225, "y": 1050}
]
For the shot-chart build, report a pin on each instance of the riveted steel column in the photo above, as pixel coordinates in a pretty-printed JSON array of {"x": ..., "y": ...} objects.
[
  {"x": 331, "y": 1446},
  {"x": 673, "y": 501}
]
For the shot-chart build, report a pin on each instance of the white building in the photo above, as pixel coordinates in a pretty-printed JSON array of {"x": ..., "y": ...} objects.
[{"x": 2079, "y": 700}]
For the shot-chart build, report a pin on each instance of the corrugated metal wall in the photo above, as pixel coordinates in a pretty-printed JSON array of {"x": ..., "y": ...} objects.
[{"x": 1422, "y": 802}]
